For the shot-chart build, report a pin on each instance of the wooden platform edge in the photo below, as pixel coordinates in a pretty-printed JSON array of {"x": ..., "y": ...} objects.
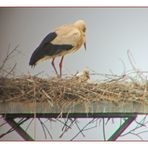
[{"x": 84, "y": 107}]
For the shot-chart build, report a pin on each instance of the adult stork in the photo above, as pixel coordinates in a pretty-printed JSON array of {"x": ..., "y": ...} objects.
[{"x": 64, "y": 40}]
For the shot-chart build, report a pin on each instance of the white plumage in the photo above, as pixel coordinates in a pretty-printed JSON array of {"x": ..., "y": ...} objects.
[{"x": 62, "y": 41}]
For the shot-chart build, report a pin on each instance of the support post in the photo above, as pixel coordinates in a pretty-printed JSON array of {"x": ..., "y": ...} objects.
[
  {"x": 16, "y": 126},
  {"x": 18, "y": 129},
  {"x": 122, "y": 128}
]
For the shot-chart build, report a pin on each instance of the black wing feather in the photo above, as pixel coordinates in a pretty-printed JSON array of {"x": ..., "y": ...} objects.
[{"x": 46, "y": 48}]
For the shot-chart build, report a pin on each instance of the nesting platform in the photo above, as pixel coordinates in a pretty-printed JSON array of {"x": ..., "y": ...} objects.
[
  {"x": 94, "y": 107},
  {"x": 29, "y": 95},
  {"x": 74, "y": 97}
]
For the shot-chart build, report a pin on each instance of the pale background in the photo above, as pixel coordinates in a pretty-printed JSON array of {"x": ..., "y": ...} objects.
[{"x": 110, "y": 33}]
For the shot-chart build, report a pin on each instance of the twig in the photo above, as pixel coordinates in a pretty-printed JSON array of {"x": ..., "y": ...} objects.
[
  {"x": 63, "y": 123},
  {"x": 131, "y": 59},
  {"x": 136, "y": 135},
  {"x": 21, "y": 121},
  {"x": 29, "y": 124},
  {"x": 104, "y": 134},
  {"x": 92, "y": 126},
  {"x": 79, "y": 128},
  {"x": 82, "y": 129},
  {"x": 138, "y": 126},
  {"x": 3, "y": 124},
  {"x": 7, "y": 57},
  {"x": 42, "y": 125},
  {"x": 67, "y": 128},
  {"x": 11, "y": 70},
  {"x": 45, "y": 129}
]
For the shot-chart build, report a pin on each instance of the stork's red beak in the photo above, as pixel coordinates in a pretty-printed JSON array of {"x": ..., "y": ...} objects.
[{"x": 85, "y": 45}]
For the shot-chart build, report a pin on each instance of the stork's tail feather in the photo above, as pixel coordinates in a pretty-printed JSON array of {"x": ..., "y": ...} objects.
[
  {"x": 32, "y": 63},
  {"x": 36, "y": 56},
  {"x": 33, "y": 60}
]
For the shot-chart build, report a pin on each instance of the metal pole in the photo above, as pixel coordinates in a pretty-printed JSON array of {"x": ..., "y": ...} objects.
[
  {"x": 70, "y": 115},
  {"x": 122, "y": 128},
  {"x": 18, "y": 129}
]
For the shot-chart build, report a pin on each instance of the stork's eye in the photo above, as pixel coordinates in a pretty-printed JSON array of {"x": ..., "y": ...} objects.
[{"x": 84, "y": 29}]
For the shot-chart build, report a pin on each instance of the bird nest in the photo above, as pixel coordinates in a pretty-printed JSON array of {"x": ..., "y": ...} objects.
[
  {"x": 76, "y": 88},
  {"x": 71, "y": 89}
]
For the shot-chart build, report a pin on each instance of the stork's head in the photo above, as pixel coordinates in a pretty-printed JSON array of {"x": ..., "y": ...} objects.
[{"x": 82, "y": 26}]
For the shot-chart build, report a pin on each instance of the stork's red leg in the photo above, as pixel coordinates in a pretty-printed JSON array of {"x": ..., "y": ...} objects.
[
  {"x": 54, "y": 66},
  {"x": 60, "y": 65}
]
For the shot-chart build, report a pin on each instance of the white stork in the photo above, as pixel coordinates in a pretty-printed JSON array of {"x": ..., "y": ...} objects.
[{"x": 64, "y": 40}]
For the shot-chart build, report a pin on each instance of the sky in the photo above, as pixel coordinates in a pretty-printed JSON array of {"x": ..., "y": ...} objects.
[{"x": 110, "y": 33}]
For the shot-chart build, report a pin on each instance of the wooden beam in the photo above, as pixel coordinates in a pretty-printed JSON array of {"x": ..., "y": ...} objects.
[
  {"x": 70, "y": 115},
  {"x": 122, "y": 128},
  {"x": 18, "y": 129},
  {"x": 83, "y": 107}
]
